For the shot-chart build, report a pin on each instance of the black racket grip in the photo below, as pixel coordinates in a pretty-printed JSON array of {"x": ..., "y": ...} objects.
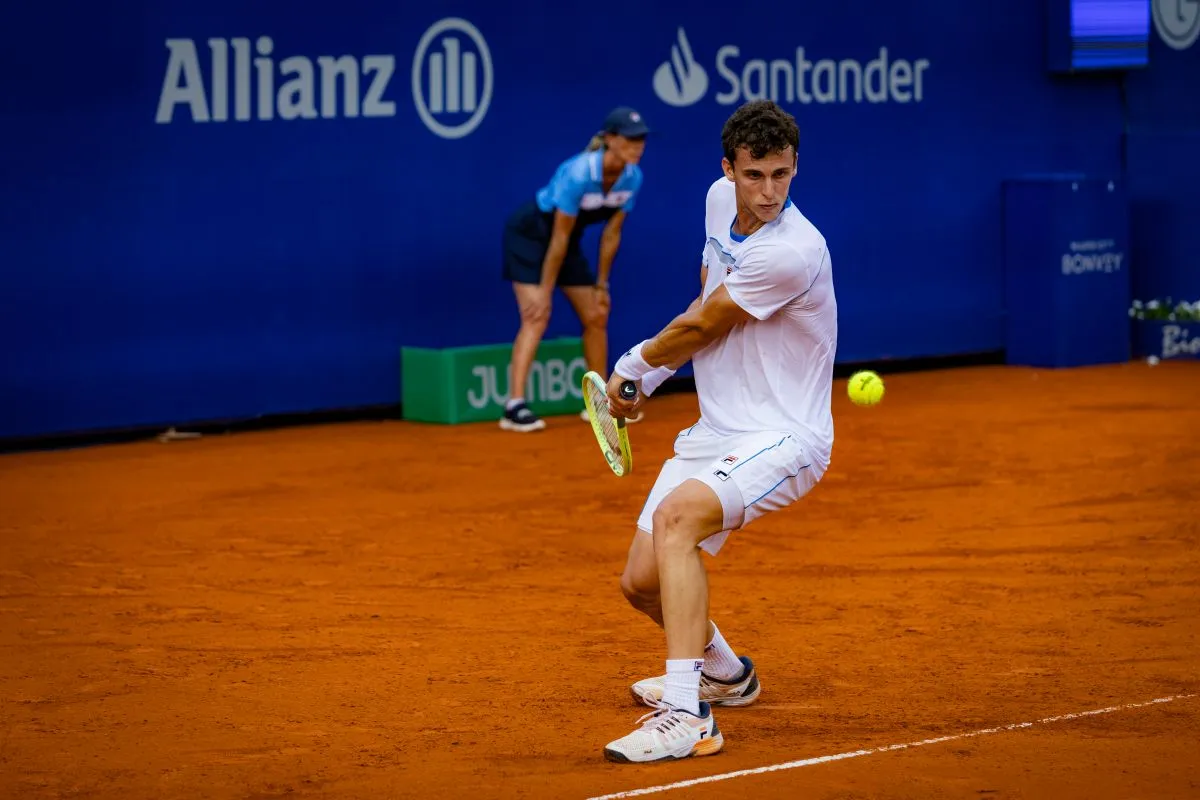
[{"x": 629, "y": 390}]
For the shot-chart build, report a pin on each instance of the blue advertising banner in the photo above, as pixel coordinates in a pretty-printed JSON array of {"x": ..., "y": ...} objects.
[
  {"x": 1162, "y": 164},
  {"x": 1067, "y": 283},
  {"x": 218, "y": 209}
]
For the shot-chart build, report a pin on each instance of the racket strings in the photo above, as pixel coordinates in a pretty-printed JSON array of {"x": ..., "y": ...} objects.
[{"x": 598, "y": 400}]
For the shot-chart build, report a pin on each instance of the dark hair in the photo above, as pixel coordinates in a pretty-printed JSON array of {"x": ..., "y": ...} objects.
[{"x": 762, "y": 127}]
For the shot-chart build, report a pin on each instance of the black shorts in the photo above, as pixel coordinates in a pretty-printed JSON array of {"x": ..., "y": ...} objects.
[{"x": 526, "y": 239}]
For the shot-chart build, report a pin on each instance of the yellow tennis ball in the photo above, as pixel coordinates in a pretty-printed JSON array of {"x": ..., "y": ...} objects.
[{"x": 865, "y": 388}]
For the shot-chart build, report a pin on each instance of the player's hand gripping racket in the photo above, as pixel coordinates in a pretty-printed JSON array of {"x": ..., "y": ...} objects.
[{"x": 610, "y": 431}]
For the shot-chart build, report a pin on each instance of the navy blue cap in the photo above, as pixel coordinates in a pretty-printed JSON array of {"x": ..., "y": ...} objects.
[{"x": 624, "y": 121}]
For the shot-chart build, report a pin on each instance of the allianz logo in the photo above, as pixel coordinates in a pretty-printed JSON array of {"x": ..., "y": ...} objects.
[
  {"x": 683, "y": 81},
  {"x": 245, "y": 80}
]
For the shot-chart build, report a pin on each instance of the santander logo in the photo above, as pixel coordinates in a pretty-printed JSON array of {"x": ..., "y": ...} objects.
[{"x": 680, "y": 81}]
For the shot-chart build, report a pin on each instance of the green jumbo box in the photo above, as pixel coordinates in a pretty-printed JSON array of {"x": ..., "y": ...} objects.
[{"x": 470, "y": 384}]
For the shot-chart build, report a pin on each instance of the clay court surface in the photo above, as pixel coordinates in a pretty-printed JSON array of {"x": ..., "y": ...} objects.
[{"x": 401, "y": 610}]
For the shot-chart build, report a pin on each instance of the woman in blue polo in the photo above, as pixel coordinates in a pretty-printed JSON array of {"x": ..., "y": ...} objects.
[{"x": 542, "y": 249}]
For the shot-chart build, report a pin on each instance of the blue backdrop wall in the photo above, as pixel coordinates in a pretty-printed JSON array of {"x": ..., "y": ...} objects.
[
  {"x": 218, "y": 209},
  {"x": 1163, "y": 167}
]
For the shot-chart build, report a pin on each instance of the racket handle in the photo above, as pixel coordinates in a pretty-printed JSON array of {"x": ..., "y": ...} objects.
[{"x": 629, "y": 390}]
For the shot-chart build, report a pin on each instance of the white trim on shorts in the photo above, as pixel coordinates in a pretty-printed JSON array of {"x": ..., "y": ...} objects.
[{"x": 751, "y": 473}]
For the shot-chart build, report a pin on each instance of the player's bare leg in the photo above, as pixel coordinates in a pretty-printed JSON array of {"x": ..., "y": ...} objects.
[
  {"x": 726, "y": 680},
  {"x": 685, "y": 518},
  {"x": 682, "y": 725},
  {"x": 639, "y": 581}
]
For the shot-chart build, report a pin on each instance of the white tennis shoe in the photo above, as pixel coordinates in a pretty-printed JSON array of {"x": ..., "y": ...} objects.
[
  {"x": 741, "y": 691},
  {"x": 668, "y": 733}
]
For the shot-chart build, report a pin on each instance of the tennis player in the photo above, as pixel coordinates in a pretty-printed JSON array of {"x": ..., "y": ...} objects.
[
  {"x": 762, "y": 338},
  {"x": 542, "y": 249}
]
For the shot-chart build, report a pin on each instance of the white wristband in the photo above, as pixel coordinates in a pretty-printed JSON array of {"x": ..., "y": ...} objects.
[
  {"x": 655, "y": 378},
  {"x": 632, "y": 366}
]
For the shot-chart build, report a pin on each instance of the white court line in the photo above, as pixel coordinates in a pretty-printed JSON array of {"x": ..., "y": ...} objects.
[{"x": 808, "y": 762}]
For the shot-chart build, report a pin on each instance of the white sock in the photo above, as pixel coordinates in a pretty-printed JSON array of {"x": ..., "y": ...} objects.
[
  {"x": 683, "y": 684},
  {"x": 720, "y": 661},
  {"x": 513, "y": 402}
]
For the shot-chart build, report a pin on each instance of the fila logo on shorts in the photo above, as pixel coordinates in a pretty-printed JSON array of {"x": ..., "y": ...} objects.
[{"x": 728, "y": 459}]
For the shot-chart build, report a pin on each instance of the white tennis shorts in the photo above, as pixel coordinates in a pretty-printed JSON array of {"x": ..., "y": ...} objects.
[{"x": 752, "y": 474}]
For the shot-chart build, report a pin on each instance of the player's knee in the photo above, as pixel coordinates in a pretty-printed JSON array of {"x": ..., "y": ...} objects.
[
  {"x": 666, "y": 517},
  {"x": 639, "y": 593},
  {"x": 672, "y": 530}
]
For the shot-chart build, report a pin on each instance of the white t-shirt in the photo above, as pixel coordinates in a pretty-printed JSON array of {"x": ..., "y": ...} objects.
[{"x": 774, "y": 372}]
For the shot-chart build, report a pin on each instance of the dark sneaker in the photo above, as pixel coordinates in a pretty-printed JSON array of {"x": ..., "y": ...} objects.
[{"x": 521, "y": 418}]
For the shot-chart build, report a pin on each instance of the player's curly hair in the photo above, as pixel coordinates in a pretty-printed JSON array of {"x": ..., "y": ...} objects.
[{"x": 762, "y": 127}]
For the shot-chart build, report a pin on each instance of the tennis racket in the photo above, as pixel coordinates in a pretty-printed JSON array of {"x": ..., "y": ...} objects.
[{"x": 610, "y": 431}]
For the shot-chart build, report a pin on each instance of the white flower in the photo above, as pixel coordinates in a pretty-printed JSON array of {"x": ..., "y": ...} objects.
[
  {"x": 1152, "y": 304},
  {"x": 1137, "y": 303}
]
